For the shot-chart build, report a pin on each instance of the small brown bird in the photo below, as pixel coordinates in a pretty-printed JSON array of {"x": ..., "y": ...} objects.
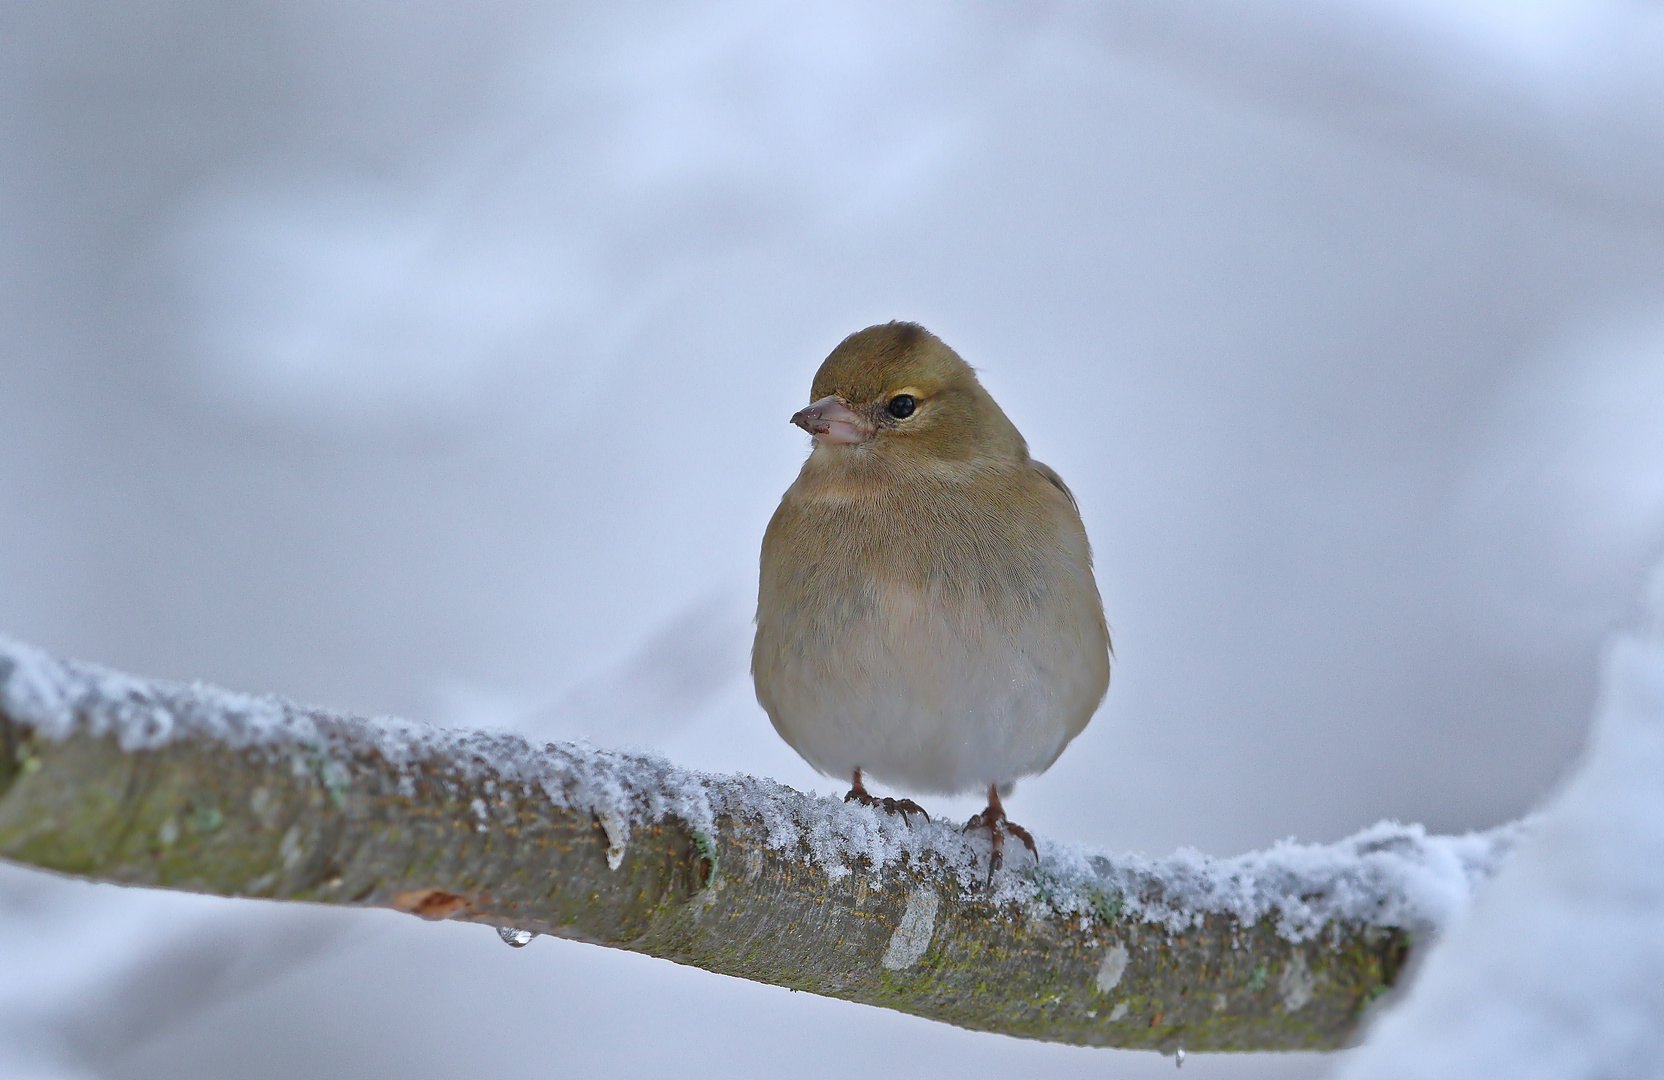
[{"x": 926, "y": 613}]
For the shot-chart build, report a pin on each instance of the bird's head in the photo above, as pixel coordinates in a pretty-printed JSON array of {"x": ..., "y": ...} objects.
[{"x": 897, "y": 390}]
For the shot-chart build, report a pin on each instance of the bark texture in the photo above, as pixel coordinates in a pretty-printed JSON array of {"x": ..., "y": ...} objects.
[{"x": 324, "y": 813}]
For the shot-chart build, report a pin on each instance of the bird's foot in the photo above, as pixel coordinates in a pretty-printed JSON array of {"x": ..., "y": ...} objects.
[
  {"x": 905, "y": 807},
  {"x": 994, "y": 820}
]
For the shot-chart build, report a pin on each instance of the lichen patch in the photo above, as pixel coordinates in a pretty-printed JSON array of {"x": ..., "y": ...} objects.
[
  {"x": 913, "y": 933},
  {"x": 1297, "y": 983},
  {"x": 1113, "y": 966}
]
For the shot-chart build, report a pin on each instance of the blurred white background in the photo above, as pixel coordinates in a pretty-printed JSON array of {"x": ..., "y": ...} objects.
[{"x": 435, "y": 359}]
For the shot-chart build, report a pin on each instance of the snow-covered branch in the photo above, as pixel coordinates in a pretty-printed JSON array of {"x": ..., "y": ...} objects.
[{"x": 141, "y": 782}]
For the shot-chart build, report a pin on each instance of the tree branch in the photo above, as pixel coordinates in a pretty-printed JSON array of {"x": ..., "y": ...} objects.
[{"x": 120, "y": 779}]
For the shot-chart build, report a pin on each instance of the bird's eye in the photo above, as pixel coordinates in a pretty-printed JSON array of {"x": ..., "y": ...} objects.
[{"x": 901, "y": 406}]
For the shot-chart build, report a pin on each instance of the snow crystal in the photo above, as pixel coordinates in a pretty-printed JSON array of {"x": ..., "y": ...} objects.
[
  {"x": 1386, "y": 875},
  {"x": 54, "y": 697},
  {"x": 1559, "y": 970},
  {"x": 59, "y": 698}
]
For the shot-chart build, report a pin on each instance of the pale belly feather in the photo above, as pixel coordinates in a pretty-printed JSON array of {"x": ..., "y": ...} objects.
[
  {"x": 940, "y": 639},
  {"x": 932, "y": 692}
]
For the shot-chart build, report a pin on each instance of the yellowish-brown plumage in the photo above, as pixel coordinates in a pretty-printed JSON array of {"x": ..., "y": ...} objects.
[{"x": 926, "y": 611}]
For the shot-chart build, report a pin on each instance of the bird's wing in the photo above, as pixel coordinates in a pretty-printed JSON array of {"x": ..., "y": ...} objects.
[{"x": 1056, "y": 481}]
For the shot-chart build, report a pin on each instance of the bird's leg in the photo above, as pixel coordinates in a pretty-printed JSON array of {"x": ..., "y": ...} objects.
[
  {"x": 858, "y": 794},
  {"x": 994, "y": 820}
]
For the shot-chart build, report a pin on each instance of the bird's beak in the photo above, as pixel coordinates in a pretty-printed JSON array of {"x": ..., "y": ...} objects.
[{"x": 831, "y": 421}]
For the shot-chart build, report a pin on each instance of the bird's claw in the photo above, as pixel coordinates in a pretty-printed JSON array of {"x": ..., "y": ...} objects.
[
  {"x": 994, "y": 820},
  {"x": 904, "y": 807}
]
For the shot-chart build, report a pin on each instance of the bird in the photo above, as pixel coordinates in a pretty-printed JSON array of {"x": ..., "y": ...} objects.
[{"x": 927, "y": 613}]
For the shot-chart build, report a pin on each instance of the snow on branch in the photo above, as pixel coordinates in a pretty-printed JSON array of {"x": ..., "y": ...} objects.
[{"x": 116, "y": 778}]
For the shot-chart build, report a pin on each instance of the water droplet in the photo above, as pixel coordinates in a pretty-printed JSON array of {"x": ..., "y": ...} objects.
[
  {"x": 516, "y": 937},
  {"x": 1178, "y": 1058}
]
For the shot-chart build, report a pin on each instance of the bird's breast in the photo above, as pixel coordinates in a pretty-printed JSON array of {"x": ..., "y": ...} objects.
[{"x": 939, "y": 639}]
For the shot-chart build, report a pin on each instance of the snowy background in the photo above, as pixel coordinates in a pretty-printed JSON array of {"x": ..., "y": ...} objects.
[{"x": 436, "y": 359}]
